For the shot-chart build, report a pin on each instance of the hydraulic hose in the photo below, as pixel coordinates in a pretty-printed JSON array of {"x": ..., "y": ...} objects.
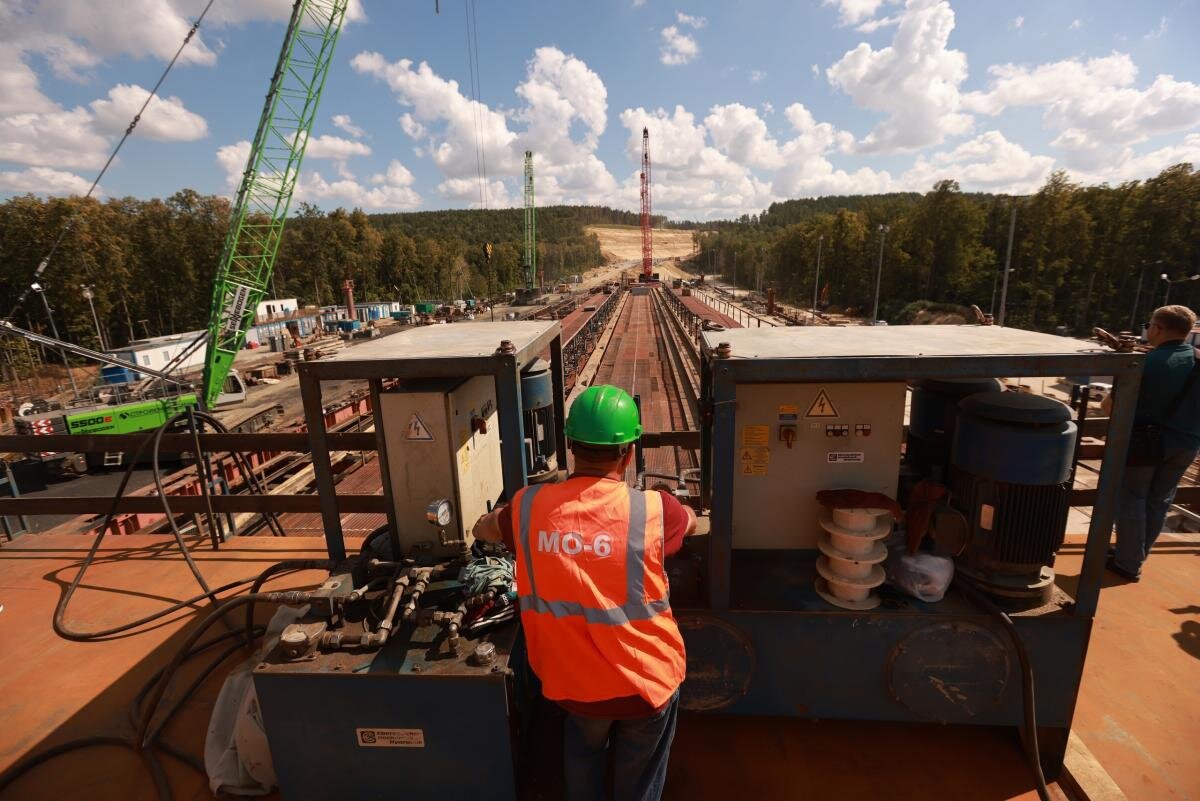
[
  {"x": 1029, "y": 736},
  {"x": 286, "y": 566}
]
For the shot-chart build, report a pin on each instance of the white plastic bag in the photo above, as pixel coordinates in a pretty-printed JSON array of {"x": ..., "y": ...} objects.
[
  {"x": 236, "y": 756},
  {"x": 925, "y": 576}
]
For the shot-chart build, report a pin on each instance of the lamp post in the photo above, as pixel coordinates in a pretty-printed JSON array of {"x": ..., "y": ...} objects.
[
  {"x": 41, "y": 290},
  {"x": 883, "y": 230},
  {"x": 1012, "y": 228},
  {"x": 1167, "y": 295},
  {"x": 1137, "y": 295},
  {"x": 89, "y": 294},
  {"x": 817, "y": 276}
]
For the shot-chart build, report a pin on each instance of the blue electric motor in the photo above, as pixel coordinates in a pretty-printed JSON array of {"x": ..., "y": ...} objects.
[
  {"x": 537, "y": 407},
  {"x": 1012, "y": 467},
  {"x": 932, "y": 416}
]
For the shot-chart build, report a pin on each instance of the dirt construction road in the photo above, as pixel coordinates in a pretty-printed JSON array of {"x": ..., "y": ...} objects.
[{"x": 622, "y": 243}]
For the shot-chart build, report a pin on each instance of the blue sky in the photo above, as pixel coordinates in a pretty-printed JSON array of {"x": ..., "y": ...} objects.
[{"x": 747, "y": 102}]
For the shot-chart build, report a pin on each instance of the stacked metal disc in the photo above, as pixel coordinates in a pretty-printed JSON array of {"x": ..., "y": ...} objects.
[{"x": 852, "y": 550}]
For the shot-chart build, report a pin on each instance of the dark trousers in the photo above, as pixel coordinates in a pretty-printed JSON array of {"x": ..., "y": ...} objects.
[
  {"x": 639, "y": 747},
  {"x": 1146, "y": 494}
]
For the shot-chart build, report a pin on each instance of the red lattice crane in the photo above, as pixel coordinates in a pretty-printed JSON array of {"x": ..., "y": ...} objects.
[{"x": 647, "y": 234}]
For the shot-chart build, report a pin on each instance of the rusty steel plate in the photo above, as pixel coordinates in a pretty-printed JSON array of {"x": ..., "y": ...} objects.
[
  {"x": 720, "y": 663},
  {"x": 949, "y": 672}
]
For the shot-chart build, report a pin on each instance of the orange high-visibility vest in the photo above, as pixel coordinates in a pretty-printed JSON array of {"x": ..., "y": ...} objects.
[{"x": 593, "y": 591}]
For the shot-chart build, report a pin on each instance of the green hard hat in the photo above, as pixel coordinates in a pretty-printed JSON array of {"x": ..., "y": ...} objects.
[{"x": 603, "y": 415}]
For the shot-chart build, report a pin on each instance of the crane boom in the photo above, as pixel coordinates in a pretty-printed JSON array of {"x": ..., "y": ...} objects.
[
  {"x": 265, "y": 194},
  {"x": 529, "y": 263},
  {"x": 647, "y": 233}
]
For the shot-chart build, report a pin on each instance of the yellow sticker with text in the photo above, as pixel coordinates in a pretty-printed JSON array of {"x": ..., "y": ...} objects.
[{"x": 756, "y": 436}]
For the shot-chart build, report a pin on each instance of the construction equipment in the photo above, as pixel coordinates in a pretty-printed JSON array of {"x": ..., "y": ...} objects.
[
  {"x": 528, "y": 294},
  {"x": 798, "y": 411},
  {"x": 264, "y": 196},
  {"x": 647, "y": 231},
  {"x": 400, "y": 670}
]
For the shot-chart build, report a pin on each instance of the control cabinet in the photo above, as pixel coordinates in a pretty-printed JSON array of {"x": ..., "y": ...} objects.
[
  {"x": 793, "y": 440},
  {"x": 442, "y": 440}
]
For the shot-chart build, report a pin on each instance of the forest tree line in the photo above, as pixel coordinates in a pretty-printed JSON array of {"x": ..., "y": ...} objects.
[
  {"x": 1081, "y": 256},
  {"x": 150, "y": 263}
]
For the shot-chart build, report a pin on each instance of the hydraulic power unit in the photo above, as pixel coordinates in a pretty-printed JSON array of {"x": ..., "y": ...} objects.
[
  {"x": 1012, "y": 468},
  {"x": 792, "y": 411},
  {"x": 405, "y": 677}
]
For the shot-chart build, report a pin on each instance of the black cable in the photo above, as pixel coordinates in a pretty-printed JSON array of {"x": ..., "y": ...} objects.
[
  {"x": 1029, "y": 734},
  {"x": 45, "y": 262},
  {"x": 161, "y": 686},
  {"x": 59, "y": 623}
]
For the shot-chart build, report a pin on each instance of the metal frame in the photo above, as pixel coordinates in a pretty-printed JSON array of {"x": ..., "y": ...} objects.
[
  {"x": 847, "y": 675},
  {"x": 504, "y": 367}
]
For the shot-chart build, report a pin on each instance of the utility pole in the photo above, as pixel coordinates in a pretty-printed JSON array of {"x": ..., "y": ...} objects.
[
  {"x": 41, "y": 290},
  {"x": 1012, "y": 227},
  {"x": 1136, "y": 297},
  {"x": 89, "y": 294},
  {"x": 883, "y": 230},
  {"x": 817, "y": 276}
]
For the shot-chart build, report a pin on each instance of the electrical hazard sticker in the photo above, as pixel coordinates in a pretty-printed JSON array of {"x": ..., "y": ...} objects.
[
  {"x": 390, "y": 738},
  {"x": 755, "y": 461},
  {"x": 417, "y": 431},
  {"x": 821, "y": 406}
]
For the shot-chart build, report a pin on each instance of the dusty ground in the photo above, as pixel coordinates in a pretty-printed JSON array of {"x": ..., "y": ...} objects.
[{"x": 620, "y": 242}]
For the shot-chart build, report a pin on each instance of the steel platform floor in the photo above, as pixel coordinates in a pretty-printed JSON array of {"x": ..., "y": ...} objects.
[{"x": 1137, "y": 713}]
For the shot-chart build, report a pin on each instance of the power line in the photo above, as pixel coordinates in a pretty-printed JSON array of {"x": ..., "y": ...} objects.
[{"x": 45, "y": 262}]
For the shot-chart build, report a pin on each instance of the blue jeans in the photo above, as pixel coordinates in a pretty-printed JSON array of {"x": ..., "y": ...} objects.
[
  {"x": 1146, "y": 495},
  {"x": 640, "y": 750}
]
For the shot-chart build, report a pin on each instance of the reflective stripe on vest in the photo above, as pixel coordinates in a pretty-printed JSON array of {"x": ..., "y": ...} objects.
[{"x": 635, "y": 607}]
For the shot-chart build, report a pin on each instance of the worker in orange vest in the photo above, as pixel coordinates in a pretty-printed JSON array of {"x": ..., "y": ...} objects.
[{"x": 594, "y": 601}]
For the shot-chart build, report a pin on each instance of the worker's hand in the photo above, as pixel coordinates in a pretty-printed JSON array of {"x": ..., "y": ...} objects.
[
  {"x": 1106, "y": 406},
  {"x": 691, "y": 527},
  {"x": 487, "y": 528}
]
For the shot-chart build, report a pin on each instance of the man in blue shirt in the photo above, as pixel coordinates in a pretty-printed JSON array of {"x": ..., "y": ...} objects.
[{"x": 1149, "y": 489}]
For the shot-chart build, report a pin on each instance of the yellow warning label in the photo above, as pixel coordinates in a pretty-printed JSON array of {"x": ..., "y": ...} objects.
[
  {"x": 821, "y": 406},
  {"x": 758, "y": 469},
  {"x": 788, "y": 408},
  {"x": 756, "y": 436},
  {"x": 756, "y": 455}
]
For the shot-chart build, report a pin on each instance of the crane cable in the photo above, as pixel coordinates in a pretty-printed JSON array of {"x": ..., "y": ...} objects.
[
  {"x": 45, "y": 262},
  {"x": 477, "y": 111}
]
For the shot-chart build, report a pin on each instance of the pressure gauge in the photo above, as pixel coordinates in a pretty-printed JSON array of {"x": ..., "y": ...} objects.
[{"x": 439, "y": 513}]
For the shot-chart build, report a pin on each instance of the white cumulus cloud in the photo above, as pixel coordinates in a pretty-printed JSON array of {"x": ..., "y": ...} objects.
[
  {"x": 562, "y": 112},
  {"x": 690, "y": 21},
  {"x": 914, "y": 81},
  {"x": 344, "y": 123},
  {"x": 677, "y": 47},
  {"x": 1092, "y": 106},
  {"x": 45, "y": 181},
  {"x": 165, "y": 118},
  {"x": 987, "y": 163}
]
